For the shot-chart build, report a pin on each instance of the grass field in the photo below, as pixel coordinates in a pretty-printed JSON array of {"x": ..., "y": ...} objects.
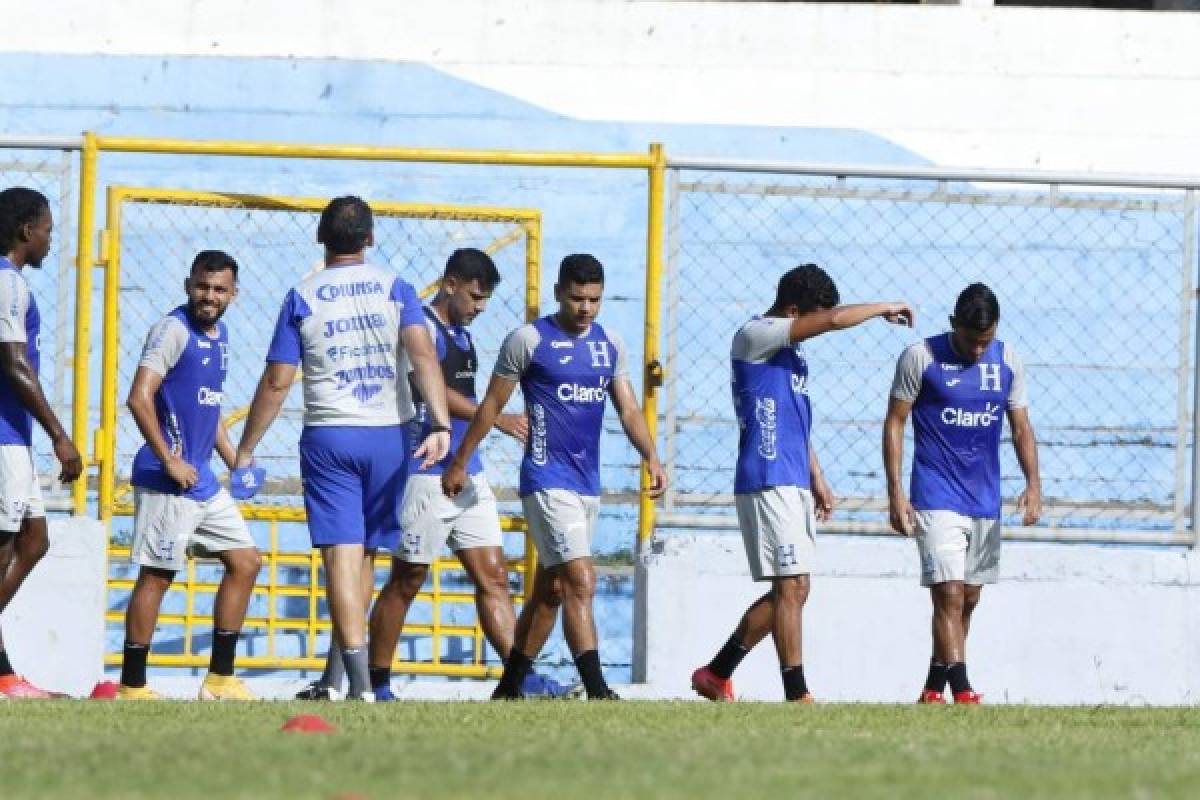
[{"x": 560, "y": 749}]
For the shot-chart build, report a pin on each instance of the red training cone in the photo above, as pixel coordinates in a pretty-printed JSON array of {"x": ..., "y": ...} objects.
[
  {"x": 105, "y": 690},
  {"x": 307, "y": 723}
]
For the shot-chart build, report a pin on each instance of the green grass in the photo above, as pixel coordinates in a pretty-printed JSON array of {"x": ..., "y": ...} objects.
[{"x": 567, "y": 750}]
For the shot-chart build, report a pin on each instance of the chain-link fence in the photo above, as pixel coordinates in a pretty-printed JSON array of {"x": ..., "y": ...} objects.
[
  {"x": 153, "y": 236},
  {"x": 53, "y": 173},
  {"x": 1096, "y": 294},
  {"x": 275, "y": 247}
]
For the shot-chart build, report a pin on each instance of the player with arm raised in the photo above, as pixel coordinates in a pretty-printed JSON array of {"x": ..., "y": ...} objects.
[
  {"x": 350, "y": 327},
  {"x": 25, "y": 229},
  {"x": 779, "y": 490},
  {"x": 567, "y": 366},
  {"x": 958, "y": 386},
  {"x": 176, "y": 401}
]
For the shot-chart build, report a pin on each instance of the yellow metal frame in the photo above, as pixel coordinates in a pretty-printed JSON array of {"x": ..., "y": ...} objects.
[
  {"x": 653, "y": 163},
  {"x": 528, "y": 222}
]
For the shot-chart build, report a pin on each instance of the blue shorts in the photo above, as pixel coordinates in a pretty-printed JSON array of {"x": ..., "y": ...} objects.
[{"x": 353, "y": 483}]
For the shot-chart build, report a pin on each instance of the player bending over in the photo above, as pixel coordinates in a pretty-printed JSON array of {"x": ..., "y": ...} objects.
[{"x": 779, "y": 490}]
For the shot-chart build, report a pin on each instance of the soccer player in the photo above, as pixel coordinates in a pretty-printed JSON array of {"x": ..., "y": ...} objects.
[
  {"x": 567, "y": 365},
  {"x": 428, "y": 519},
  {"x": 779, "y": 489},
  {"x": 958, "y": 387},
  {"x": 25, "y": 229},
  {"x": 176, "y": 400},
  {"x": 350, "y": 327}
]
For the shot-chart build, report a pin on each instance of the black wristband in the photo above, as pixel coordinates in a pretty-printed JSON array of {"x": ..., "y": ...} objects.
[{"x": 439, "y": 429}]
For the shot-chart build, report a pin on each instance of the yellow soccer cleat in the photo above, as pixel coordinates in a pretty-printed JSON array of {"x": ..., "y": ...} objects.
[
  {"x": 224, "y": 687},
  {"x": 137, "y": 693}
]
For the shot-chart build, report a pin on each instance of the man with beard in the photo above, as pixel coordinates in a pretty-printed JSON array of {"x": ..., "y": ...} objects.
[{"x": 176, "y": 401}]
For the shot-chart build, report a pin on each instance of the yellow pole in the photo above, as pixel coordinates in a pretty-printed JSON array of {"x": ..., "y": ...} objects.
[
  {"x": 85, "y": 262},
  {"x": 653, "y": 370},
  {"x": 108, "y": 373},
  {"x": 520, "y": 158},
  {"x": 533, "y": 300}
]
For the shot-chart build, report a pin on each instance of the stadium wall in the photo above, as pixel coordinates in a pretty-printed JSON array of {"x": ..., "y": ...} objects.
[
  {"x": 1004, "y": 87},
  {"x": 54, "y": 627},
  {"x": 1065, "y": 625}
]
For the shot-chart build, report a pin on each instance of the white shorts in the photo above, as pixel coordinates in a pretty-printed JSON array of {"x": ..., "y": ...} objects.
[
  {"x": 779, "y": 529},
  {"x": 954, "y": 547},
  {"x": 169, "y": 527},
  {"x": 429, "y": 520},
  {"x": 20, "y": 492},
  {"x": 561, "y": 523}
]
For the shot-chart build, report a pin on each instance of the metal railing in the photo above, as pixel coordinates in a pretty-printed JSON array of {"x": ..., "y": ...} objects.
[{"x": 1071, "y": 257}]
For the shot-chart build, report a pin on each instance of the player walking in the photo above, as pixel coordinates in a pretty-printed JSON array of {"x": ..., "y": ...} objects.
[
  {"x": 428, "y": 519},
  {"x": 349, "y": 327},
  {"x": 176, "y": 401},
  {"x": 956, "y": 385},
  {"x": 567, "y": 366},
  {"x": 779, "y": 490},
  {"x": 25, "y": 229}
]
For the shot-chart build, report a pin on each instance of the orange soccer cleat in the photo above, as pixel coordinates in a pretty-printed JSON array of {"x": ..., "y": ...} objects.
[
  {"x": 15, "y": 687},
  {"x": 708, "y": 684},
  {"x": 931, "y": 697},
  {"x": 968, "y": 697}
]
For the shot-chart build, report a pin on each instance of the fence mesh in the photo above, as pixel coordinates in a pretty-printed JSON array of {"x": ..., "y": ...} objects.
[
  {"x": 287, "y": 624},
  {"x": 275, "y": 249},
  {"x": 1095, "y": 289},
  {"x": 53, "y": 286}
]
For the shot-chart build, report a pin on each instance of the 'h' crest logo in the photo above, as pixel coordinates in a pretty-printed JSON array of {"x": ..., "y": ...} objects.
[
  {"x": 989, "y": 377},
  {"x": 600, "y": 357}
]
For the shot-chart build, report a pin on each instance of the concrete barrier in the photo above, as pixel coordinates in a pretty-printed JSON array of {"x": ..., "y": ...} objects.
[
  {"x": 54, "y": 627},
  {"x": 1067, "y": 624}
]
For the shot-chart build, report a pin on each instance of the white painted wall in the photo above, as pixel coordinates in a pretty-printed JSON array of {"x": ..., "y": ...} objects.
[
  {"x": 1067, "y": 624},
  {"x": 54, "y": 627},
  {"x": 1015, "y": 87}
]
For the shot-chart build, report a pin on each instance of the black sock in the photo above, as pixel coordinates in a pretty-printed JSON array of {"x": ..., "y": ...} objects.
[
  {"x": 588, "y": 664},
  {"x": 6, "y": 667},
  {"x": 794, "y": 686},
  {"x": 728, "y": 658},
  {"x": 133, "y": 665},
  {"x": 936, "y": 680},
  {"x": 223, "y": 650},
  {"x": 957, "y": 675},
  {"x": 380, "y": 676},
  {"x": 515, "y": 669}
]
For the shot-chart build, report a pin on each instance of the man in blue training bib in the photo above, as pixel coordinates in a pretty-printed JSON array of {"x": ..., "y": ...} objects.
[
  {"x": 469, "y": 523},
  {"x": 567, "y": 366},
  {"x": 352, "y": 328},
  {"x": 26, "y": 225},
  {"x": 958, "y": 386},
  {"x": 779, "y": 490},
  {"x": 176, "y": 401}
]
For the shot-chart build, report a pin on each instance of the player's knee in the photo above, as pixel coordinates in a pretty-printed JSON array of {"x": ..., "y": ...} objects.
[
  {"x": 494, "y": 581},
  {"x": 948, "y": 597},
  {"x": 970, "y": 600},
  {"x": 250, "y": 563},
  {"x": 580, "y": 583},
  {"x": 792, "y": 589},
  {"x": 36, "y": 550},
  {"x": 410, "y": 579}
]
